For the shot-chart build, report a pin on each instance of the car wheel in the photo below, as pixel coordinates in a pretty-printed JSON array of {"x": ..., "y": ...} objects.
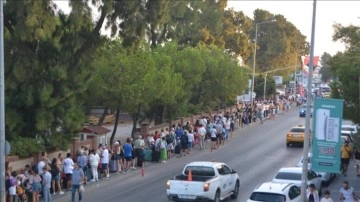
[
  {"x": 217, "y": 196},
  {"x": 236, "y": 191},
  {"x": 287, "y": 144}
]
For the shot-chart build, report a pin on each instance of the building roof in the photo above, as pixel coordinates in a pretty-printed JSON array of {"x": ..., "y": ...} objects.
[{"x": 98, "y": 130}]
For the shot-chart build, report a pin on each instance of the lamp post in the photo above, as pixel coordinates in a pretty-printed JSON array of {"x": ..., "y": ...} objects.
[
  {"x": 2, "y": 107},
  {"x": 265, "y": 85},
  {"x": 254, "y": 62},
  {"x": 274, "y": 70}
]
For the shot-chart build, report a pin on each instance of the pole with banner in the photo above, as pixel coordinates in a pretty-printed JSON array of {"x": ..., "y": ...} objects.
[
  {"x": 2, "y": 106},
  {"x": 327, "y": 117}
]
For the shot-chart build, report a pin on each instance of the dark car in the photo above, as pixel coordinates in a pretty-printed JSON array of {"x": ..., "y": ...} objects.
[{"x": 302, "y": 111}]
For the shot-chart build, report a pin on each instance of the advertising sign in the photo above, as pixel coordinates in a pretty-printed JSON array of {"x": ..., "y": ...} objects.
[
  {"x": 278, "y": 80},
  {"x": 245, "y": 97},
  {"x": 326, "y": 138}
]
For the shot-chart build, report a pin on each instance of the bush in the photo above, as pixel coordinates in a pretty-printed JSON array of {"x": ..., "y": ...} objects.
[{"x": 25, "y": 147}]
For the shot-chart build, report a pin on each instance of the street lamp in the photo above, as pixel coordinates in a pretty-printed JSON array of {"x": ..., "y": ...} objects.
[{"x": 254, "y": 62}]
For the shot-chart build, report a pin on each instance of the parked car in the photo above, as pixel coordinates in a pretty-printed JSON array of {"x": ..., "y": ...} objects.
[
  {"x": 326, "y": 178},
  {"x": 203, "y": 180},
  {"x": 293, "y": 175},
  {"x": 352, "y": 128},
  {"x": 348, "y": 134},
  {"x": 279, "y": 192}
]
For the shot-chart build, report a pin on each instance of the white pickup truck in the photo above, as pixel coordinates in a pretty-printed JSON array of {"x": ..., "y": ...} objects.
[{"x": 212, "y": 181}]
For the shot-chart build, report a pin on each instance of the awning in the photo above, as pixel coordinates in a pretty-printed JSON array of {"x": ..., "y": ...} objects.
[{"x": 98, "y": 130}]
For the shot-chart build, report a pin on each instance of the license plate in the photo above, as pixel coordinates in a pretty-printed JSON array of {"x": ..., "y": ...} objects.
[
  {"x": 296, "y": 135},
  {"x": 187, "y": 196}
]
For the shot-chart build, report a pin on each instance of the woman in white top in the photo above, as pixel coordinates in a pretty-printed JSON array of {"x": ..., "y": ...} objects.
[
  {"x": 94, "y": 160},
  {"x": 312, "y": 194},
  {"x": 326, "y": 197},
  {"x": 190, "y": 140}
]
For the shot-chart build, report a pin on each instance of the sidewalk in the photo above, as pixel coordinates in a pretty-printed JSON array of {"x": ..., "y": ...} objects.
[{"x": 352, "y": 178}]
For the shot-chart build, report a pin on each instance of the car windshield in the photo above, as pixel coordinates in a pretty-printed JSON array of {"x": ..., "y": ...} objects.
[
  {"x": 268, "y": 197},
  {"x": 288, "y": 176},
  {"x": 200, "y": 171},
  {"x": 297, "y": 130}
]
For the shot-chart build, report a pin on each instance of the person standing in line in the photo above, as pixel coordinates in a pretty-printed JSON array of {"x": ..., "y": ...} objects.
[
  {"x": 191, "y": 138},
  {"x": 55, "y": 176},
  {"x": 35, "y": 185},
  {"x": 219, "y": 130},
  {"x": 261, "y": 115},
  {"x": 133, "y": 155},
  {"x": 213, "y": 136},
  {"x": 78, "y": 179},
  {"x": 163, "y": 152},
  {"x": 46, "y": 183},
  {"x": 202, "y": 134},
  {"x": 356, "y": 158},
  {"x": 184, "y": 141},
  {"x": 345, "y": 153},
  {"x": 312, "y": 194},
  {"x": 94, "y": 160},
  {"x": 68, "y": 169},
  {"x": 117, "y": 152},
  {"x": 227, "y": 128},
  {"x": 104, "y": 160},
  {"x": 127, "y": 154},
  {"x": 347, "y": 193},
  {"x": 326, "y": 197},
  {"x": 82, "y": 161}
]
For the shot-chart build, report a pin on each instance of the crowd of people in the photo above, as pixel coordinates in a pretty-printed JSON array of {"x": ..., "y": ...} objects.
[{"x": 57, "y": 175}]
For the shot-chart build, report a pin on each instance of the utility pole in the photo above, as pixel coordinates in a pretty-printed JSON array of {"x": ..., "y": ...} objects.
[
  {"x": 254, "y": 60},
  {"x": 308, "y": 108},
  {"x": 2, "y": 106}
]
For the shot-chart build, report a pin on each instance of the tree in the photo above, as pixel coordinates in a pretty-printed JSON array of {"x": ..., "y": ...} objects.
[
  {"x": 278, "y": 43},
  {"x": 325, "y": 71},
  {"x": 134, "y": 80},
  {"x": 346, "y": 67},
  {"x": 47, "y": 68}
]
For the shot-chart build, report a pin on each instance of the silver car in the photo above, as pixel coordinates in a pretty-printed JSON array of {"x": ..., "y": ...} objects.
[{"x": 326, "y": 178}]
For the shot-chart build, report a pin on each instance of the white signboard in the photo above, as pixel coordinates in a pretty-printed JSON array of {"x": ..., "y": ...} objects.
[
  {"x": 278, "y": 80},
  {"x": 245, "y": 97}
]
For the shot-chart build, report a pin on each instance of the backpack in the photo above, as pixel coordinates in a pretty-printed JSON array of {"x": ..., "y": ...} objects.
[
  {"x": 184, "y": 139},
  {"x": 13, "y": 181},
  {"x": 169, "y": 139},
  {"x": 54, "y": 170},
  {"x": 35, "y": 168},
  {"x": 357, "y": 154}
]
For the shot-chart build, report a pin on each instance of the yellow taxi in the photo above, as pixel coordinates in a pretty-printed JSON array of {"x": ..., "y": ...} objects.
[{"x": 296, "y": 135}]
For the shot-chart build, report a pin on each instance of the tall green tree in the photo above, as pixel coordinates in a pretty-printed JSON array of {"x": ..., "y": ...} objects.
[
  {"x": 48, "y": 55},
  {"x": 325, "y": 71},
  {"x": 279, "y": 44},
  {"x": 346, "y": 68}
]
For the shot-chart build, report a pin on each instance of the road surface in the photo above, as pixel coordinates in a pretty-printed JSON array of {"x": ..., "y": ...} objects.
[{"x": 255, "y": 152}]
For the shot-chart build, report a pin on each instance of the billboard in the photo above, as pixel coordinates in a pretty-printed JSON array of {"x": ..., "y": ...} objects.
[
  {"x": 278, "y": 80},
  {"x": 327, "y": 116}
]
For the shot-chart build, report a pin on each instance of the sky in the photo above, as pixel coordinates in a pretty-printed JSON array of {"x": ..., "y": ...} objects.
[{"x": 299, "y": 13}]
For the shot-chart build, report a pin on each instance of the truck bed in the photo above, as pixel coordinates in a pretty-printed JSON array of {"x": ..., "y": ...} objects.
[{"x": 194, "y": 178}]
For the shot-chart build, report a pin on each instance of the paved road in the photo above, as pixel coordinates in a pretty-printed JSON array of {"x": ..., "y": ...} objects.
[{"x": 255, "y": 152}]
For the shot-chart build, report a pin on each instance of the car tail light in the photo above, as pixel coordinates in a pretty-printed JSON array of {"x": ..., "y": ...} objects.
[
  {"x": 168, "y": 184},
  {"x": 206, "y": 186},
  {"x": 302, "y": 135},
  {"x": 288, "y": 135}
]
